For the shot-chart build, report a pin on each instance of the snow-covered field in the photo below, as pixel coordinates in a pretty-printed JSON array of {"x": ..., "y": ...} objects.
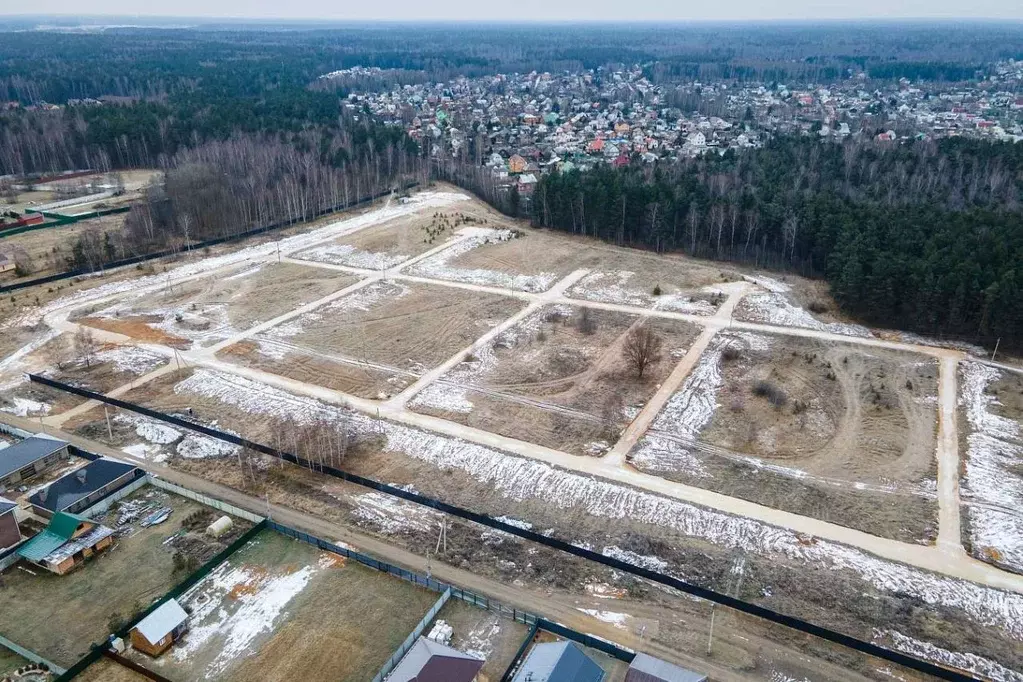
[
  {"x": 440, "y": 265},
  {"x": 135, "y": 360},
  {"x": 612, "y": 287},
  {"x": 25, "y": 407},
  {"x": 523, "y": 479},
  {"x": 158, "y": 439},
  {"x": 992, "y": 485}
]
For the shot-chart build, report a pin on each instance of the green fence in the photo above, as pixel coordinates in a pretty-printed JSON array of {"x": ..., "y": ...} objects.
[{"x": 97, "y": 649}]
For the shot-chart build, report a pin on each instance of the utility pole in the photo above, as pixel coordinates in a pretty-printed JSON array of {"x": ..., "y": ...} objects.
[
  {"x": 110, "y": 432},
  {"x": 995, "y": 352}
]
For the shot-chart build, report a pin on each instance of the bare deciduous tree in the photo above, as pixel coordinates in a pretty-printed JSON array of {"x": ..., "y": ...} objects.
[
  {"x": 642, "y": 349},
  {"x": 85, "y": 345}
]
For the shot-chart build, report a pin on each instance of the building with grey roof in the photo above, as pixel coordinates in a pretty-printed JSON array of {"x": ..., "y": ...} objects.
[
  {"x": 29, "y": 458},
  {"x": 83, "y": 487},
  {"x": 430, "y": 661},
  {"x": 558, "y": 662},
  {"x": 645, "y": 668}
]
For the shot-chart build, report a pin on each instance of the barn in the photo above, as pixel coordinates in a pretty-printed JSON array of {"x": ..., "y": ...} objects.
[{"x": 66, "y": 543}]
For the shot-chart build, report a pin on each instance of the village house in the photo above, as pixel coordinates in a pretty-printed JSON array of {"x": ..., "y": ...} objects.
[
  {"x": 160, "y": 629},
  {"x": 83, "y": 487},
  {"x": 29, "y": 458},
  {"x": 645, "y": 668},
  {"x": 69, "y": 541},
  {"x": 10, "y": 534},
  {"x": 430, "y": 661},
  {"x": 558, "y": 662}
]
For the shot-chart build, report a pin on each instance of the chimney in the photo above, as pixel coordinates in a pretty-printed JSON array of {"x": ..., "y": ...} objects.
[
  {"x": 80, "y": 475},
  {"x": 43, "y": 493}
]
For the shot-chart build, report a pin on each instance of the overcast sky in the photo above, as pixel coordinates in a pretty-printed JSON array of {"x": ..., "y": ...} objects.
[{"x": 533, "y": 10}]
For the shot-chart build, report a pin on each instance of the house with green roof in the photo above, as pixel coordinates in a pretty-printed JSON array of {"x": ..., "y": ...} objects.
[{"x": 66, "y": 543}]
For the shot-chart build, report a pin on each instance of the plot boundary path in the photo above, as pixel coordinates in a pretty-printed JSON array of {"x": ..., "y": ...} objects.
[{"x": 946, "y": 557}]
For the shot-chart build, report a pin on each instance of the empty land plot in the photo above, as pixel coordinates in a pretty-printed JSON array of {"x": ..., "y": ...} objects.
[
  {"x": 280, "y": 609},
  {"x": 794, "y": 302},
  {"x": 824, "y": 430},
  {"x": 206, "y": 310},
  {"x": 393, "y": 326},
  {"x": 485, "y": 634},
  {"x": 60, "y": 616},
  {"x": 559, "y": 378},
  {"x": 991, "y": 440},
  {"x": 387, "y": 245},
  {"x": 648, "y": 280}
]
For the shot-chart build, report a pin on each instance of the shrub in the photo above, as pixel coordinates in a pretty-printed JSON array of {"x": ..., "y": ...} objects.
[
  {"x": 585, "y": 323},
  {"x": 774, "y": 394},
  {"x": 730, "y": 354},
  {"x": 818, "y": 306},
  {"x": 657, "y": 290}
]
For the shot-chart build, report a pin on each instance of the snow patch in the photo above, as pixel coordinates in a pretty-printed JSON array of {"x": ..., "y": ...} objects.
[
  {"x": 611, "y": 287},
  {"x": 967, "y": 662},
  {"x": 23, "y": 407},
  {"x": 618, "y": 620},
  {"x": 776, "y": 309},
  {"x": 992, "y": 485},
  {"x": 346, "y": 254}
]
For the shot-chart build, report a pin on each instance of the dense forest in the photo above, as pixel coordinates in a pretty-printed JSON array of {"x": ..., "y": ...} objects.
[{"x": 924, "y": 236}]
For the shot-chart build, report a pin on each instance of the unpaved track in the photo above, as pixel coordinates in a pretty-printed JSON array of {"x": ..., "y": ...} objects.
[
  {"x": 559, "y": 608},
  {"x": 946, "y": 557}
]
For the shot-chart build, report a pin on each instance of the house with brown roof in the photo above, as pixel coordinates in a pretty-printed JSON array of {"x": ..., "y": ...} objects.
[{"x": 430, "y": 661}]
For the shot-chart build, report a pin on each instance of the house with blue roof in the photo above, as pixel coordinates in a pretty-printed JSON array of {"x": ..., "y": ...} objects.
[{"x": 558, "y": 662}]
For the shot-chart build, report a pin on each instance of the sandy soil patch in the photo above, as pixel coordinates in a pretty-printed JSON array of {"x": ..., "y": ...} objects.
[
  {"x": 991, "y": 442},
  {"x": 824, "y": 430},
  {"x": 394, "y": 325},
  {"x": 558, "y": 378}
]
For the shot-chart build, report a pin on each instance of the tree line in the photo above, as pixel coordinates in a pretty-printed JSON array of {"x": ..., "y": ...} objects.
[{"x": 922, "y": 236}]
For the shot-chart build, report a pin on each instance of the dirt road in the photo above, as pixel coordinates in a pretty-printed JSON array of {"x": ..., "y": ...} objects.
[
  {"x": 557, "y": 607},
  {"x": 946, "y": 557}
]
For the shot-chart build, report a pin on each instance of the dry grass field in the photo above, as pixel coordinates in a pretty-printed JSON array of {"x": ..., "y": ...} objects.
[{"x": 558, "y": 378}]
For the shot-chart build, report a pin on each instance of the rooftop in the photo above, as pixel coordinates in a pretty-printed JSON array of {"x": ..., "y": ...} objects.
[
  {"x": 162, "y": 621},
  {"x": 645, "y": 668},
  {"x": 62, "y": 527},
  {"x": 80, "y": 483},
  {"x": 558, "y": 662},
  {"x": 28, "y": 451},
  {"x": 430, "y": 661},
  {"x": 6, "y": 505}
]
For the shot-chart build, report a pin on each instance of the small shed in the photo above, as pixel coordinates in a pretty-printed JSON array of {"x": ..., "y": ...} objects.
[
  {"x": 160, "y": 629},
  {"x": 646, "y": 668},
  {"x": 558, "y": 662},
  {"x": 430, "y": 661}
]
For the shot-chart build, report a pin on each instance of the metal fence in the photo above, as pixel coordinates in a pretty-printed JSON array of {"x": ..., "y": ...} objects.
[
  {"x": 205, "y": 499},
  {"x": 770, "y": 615},
  {"x": 410, "y": 641}
]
